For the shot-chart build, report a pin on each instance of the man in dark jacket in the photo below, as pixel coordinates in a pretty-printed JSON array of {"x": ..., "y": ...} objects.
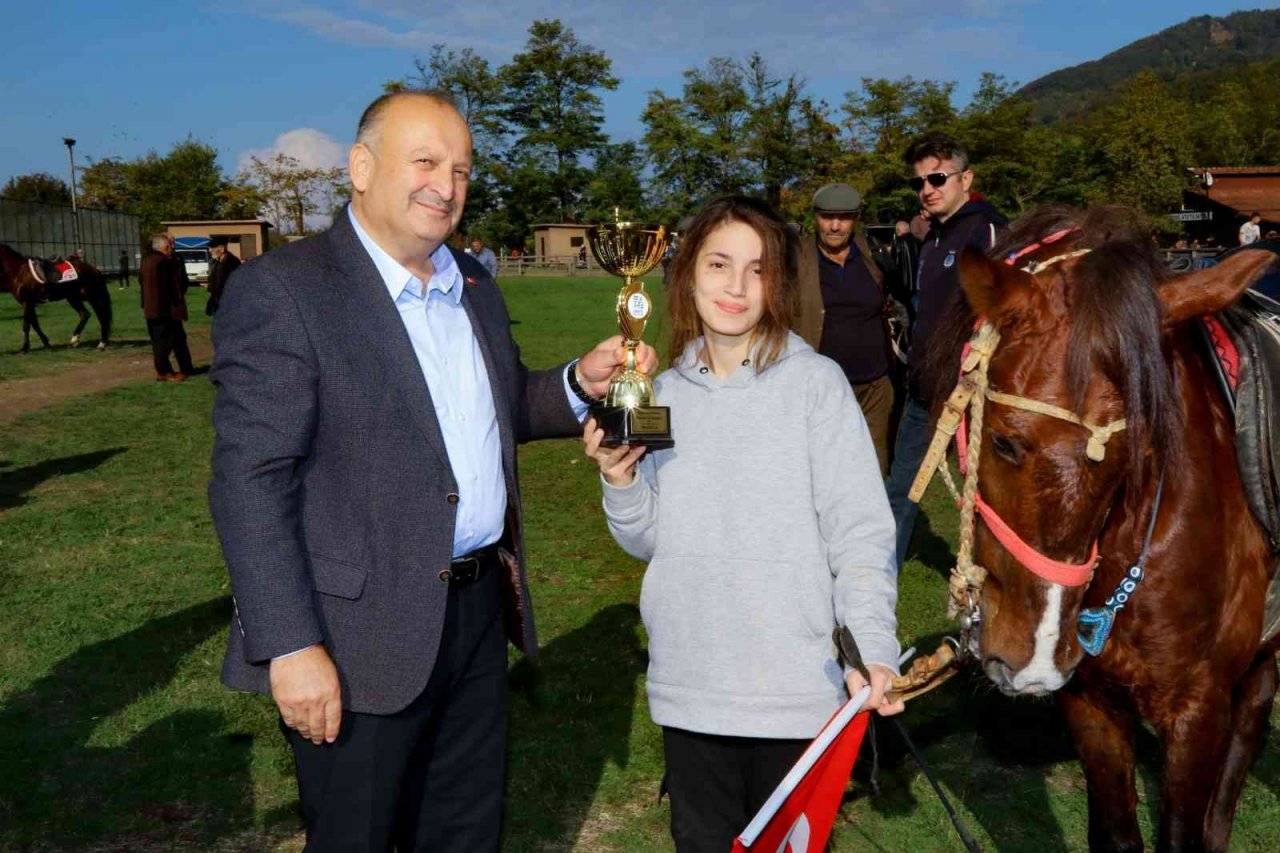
[
  {"x": 370, "y": 399},
  {"x": 224, "y": 264},
  {"x": 942, "y": 179},
  {"x": 841, "y": 310},
  {"x": 164, "y": 305}
]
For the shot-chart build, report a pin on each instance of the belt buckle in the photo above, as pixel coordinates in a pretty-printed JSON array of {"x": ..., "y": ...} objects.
[{"x": 464, "y": 570}]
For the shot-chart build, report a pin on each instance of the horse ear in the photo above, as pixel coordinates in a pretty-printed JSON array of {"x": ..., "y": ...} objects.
[
  {"x": 986, "y": 283},
  {"x": 1192, "y": 295}
]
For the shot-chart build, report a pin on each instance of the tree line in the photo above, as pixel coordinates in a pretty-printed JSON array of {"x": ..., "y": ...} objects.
[{"x": 736, "y": 125}]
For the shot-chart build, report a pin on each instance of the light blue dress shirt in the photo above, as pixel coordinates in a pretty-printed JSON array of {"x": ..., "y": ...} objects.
[{"x": 454, "y": 369}]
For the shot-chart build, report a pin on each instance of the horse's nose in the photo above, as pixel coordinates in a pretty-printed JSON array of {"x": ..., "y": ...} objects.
[{"x": 999, "y": 672}]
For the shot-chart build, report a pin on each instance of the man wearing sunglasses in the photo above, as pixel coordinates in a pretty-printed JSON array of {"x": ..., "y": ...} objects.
[{"x": 942, "y": 180}]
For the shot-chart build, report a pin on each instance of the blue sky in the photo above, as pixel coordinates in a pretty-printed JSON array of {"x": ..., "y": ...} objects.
[{"x": 127, "y": 77}]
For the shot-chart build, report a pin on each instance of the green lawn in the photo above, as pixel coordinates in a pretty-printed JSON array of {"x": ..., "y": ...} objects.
[{"x": 116, "y": 735}]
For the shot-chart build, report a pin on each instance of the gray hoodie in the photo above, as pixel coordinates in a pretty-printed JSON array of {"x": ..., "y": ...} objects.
[{"x": 765, "y": 527}]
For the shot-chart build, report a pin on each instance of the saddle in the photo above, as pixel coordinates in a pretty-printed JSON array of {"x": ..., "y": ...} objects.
[{"x": 1243, "y": 343}]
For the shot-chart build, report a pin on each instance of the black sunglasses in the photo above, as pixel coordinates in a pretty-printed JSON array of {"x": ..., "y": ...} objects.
[{"x": 935, "y": 179}]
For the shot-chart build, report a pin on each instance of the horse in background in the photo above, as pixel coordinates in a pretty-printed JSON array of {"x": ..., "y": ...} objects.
[
  {"x": 1105, "y": 445},
  {"x": 36, "y": 280}
]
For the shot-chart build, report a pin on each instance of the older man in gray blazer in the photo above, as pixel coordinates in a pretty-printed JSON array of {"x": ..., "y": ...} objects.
[{"x": 370, "y": 399}]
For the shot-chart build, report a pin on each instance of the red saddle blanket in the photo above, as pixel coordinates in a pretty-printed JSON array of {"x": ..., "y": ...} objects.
[{"x": 66, "y": 271}]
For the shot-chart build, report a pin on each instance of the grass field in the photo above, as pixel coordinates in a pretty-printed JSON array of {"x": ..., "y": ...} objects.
[{"x": 116, "y": 735}]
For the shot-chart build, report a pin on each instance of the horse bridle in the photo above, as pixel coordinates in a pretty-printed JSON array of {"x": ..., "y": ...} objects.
[{"x": 967, "y": 403}]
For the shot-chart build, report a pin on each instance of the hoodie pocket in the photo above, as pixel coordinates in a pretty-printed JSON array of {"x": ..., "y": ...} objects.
[{"x": 712, "y": 600}]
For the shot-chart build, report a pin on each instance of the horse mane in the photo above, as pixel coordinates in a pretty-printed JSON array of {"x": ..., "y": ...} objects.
[{"x": 1116, "y": 320}]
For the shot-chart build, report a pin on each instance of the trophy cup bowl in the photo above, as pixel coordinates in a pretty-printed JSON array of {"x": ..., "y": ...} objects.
[{"x": 628, "y": 416}]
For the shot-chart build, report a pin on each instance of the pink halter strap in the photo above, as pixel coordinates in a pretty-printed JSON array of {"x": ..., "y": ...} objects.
[{"x": 1045, "y": 241}]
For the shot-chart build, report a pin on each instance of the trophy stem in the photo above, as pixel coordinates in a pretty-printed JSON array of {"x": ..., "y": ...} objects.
[{"x": 631, "y": 354}]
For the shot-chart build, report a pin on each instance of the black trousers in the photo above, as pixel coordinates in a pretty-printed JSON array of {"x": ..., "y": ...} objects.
[
  {"x": 169, "y": 336},
  {"x": 718, "y": 783},
  {"x": 430, "y": 777}
]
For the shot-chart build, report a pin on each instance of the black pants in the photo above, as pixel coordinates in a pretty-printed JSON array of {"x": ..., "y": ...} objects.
[
  {"x": 718, "y": 783},
  {"x": 168, "y": 336},
  {"x": 430, "y": 777}
]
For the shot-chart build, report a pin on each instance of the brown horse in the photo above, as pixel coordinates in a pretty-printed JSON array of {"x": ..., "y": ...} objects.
[
  {"x": 36, "y": 280},
  {"x": 1124, "y": 456}
]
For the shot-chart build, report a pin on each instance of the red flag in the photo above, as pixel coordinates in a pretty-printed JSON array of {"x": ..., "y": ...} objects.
[{"x": 799, "y": 814}]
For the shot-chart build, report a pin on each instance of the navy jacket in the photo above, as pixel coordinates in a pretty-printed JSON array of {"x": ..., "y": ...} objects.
[{"x": 975, "y": 224}]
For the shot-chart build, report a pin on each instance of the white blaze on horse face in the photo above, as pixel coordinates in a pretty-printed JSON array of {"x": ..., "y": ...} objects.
[{"x": 1041, "y": 675}]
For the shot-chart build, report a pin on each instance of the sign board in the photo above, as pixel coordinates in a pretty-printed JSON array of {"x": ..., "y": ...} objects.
[{"x": 1192, "y": 216}]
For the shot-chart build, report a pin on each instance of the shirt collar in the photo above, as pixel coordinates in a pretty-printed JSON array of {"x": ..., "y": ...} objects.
[
  {"x": 446, "y": 278},
  {"x": 853, "y": 255}
]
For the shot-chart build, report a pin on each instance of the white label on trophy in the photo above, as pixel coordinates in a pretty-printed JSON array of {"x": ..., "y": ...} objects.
[{"x": 638, "y": 306}]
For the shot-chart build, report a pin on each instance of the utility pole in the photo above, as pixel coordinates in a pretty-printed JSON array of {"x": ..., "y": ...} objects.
[{"x": 75, "y": 210}]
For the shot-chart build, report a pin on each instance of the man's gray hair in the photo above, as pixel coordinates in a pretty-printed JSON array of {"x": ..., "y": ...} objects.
[{"x": 160, "y": 242}]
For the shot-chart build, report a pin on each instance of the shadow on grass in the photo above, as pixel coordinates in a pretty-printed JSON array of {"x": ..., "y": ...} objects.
[
  {"x": 87, "y": 343},
  {"x": 15, "y": 484},
  {"x": 570, "y": 714},
  {"x": 992, "y": 754},
  {"x": 177, "y": 783},
  {"x": 930, "y": 548}
]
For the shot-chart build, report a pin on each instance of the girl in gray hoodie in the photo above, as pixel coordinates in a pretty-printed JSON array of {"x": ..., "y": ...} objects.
[{"x": 765, "y": 527}]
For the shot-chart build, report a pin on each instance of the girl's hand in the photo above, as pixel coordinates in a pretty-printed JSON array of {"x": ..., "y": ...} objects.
[{"x": 617, "y": 464}]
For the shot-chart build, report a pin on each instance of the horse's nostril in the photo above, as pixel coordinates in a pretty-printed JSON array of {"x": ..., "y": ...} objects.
[{"x": 998, "y": 671}]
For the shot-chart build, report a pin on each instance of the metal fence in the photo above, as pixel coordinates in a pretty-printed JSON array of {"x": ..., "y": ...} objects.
[{"x": 48, "y": 231}]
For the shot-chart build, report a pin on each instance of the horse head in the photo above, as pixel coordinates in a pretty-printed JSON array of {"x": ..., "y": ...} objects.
[{"x": 1081, "y": 412}]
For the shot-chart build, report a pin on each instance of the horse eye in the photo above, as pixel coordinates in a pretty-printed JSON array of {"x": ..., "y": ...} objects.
[{"x": 1008, "y": 449}]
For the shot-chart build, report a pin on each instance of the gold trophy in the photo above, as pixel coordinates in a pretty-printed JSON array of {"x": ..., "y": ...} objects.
[{"x": 628, "y": 416}]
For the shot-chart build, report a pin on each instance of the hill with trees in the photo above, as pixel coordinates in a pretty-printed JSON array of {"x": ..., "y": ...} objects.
[{"x": 1199, "y": 46}]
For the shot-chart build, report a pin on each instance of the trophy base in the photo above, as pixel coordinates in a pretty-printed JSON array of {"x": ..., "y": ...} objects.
[{"x": 647, "y": 425}]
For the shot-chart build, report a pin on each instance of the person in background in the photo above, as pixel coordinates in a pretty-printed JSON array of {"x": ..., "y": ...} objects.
[
  {"x": 841, "y": 309},
  {"x": 161, "y": 279},
  {"x": 765, "y": 527},
  {"x": 124, "y": 270},
  {"x": 485, "y": 256},
  {"x": 942, "y": 179},
  {"x": 1251, "y": 230},
  {"x": 225, "y": 263}
]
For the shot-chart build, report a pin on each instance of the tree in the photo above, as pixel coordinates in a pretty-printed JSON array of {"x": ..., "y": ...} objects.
[
  {"x": 37, "y": 186},
  {"x": 615, "y": 184},
  {"x": 553, "y": 106},
  {"x": 106, "y": 184},
  {"x": 292, "y": 192},
  {"x": 1144, "y": 144},
  {"x": 183, "y": 184}
]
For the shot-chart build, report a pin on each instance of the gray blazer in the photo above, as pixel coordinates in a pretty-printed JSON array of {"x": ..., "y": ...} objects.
[{"x": 332, "y": 492}]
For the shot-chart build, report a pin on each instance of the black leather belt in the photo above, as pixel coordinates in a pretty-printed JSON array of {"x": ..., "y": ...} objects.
[{"x": 470, "y": 567}]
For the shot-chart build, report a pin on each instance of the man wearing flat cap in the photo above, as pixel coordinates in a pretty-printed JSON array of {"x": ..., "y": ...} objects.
[
  {"x": 224, "y": 264},
  {"x": 841, "y": 312}
]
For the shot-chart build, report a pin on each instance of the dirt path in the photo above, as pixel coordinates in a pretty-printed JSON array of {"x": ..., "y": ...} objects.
[{"x": 20, "y": 397}]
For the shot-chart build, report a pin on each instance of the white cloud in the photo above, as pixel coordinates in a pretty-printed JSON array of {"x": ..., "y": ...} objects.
[{"x": 314, "y": 149}]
